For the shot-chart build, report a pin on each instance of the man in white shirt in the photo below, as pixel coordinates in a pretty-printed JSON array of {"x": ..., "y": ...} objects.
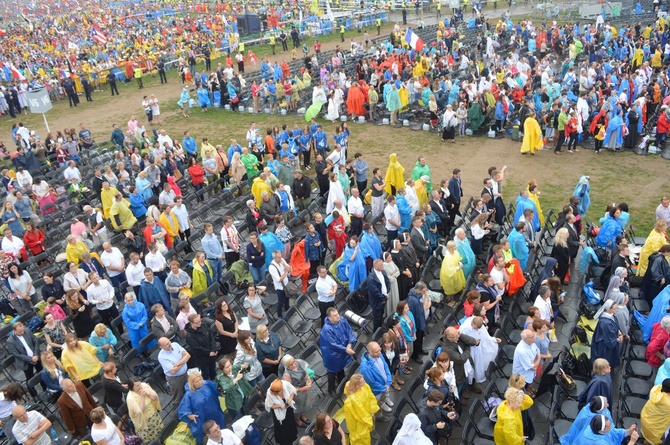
[
  {"x": 173, "y": 359},
  {"x": 499, "y": 274},
  {"x": 526, "y": 356},
  {"x": 24, "y": 180},
  {"x": 163, "y": 137},
  {"x": 115, "y": 263},
  {"x": 356, "y": 212},
  {"x": 231, "y": 241},
  {"x": 251, "y": 134},
  {"x": 72, "y": 173},
  {"x": 101, "y": 293},
  {"x": 185, "y": 223},
  {"x": 663, "y": 210},
  {"x": 135, "y": 273},
  {"x": 12, "y": 245},
  {"x": 24, "y": 133},
  {"x": 392, "y": 217},
  {"x": 96, "y": 225},
  {"x": 279, "y": 270},
  {"x": 30, "y": 427},
  {"x": 217, "y": 436},
  {"x": 156, "y": 261},
  {"x": 326, "y": 289},
  {"x": 337, "y": 157}
]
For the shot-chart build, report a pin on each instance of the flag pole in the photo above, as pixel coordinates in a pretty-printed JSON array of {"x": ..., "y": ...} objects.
[{"x": 46, "y": 124}]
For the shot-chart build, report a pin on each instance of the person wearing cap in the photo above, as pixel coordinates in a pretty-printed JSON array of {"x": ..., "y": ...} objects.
[
  {"x": 597, "y": 406},
  {"x": 600, "y": 431},
  {"x": 654, "y": 415},
  {"x": 607, "y": 337}
]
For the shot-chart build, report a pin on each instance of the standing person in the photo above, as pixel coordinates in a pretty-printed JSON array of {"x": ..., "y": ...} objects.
[
  {"x": 75, "y": 406},
  {"x": 607, "y": 336},
  {"x": 416, "y": 299},
  {"x": 111, "y": 81},
  {"x": 562, "y": 120},
  {"x": 144, "y": 410},
  {"x": 79, "y": 359},
  {"x": 200, "y": 404},
  {"x": 173, "y": 359},
  {"x": 360, "y": 406},
  {"x": 231, "y": 241},
  {"x": 235, "y": 387},
  {"x": 202, "y": 346},
  {"x": 392, "y": 217},
  {"x": 30, "y": 427},
  {"x": 377, "y": 374},
  {"x": 379, "y": 288},
  {"x": 101, "y": 294},
  {"x": 455, "y": 195},
  {"x": 508, "y": 429},
  {"x": 378, "y": 185},
  {"x": 326, "y": 289},
  {"x": 336, "y": 340},
  {"x": 135, "y": 317},
  {"x": 280, "y": 271},
  {"x": 279, "y": 401},
  {"x": 22, "y": 344}
]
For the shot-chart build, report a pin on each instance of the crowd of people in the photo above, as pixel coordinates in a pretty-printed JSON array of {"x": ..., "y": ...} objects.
[{"x": 197, "y": 289}]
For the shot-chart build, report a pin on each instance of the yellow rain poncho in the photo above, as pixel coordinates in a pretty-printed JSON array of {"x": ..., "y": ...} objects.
[
  {"x": 536, "y": 200},
  {"x": 358, "y": 410},
  {"x": 421, "y": 192},
  {"x": 654, "y": 415},
  {"x": 509, "y": 427},
  {"x": 257, "y": 188},
  {"x": 451, "y": 274},
  {"x": 394, "y": 175},
  {"x": 654, "y": 241},
  {"x": 532, "y": 136},
  {"x": 107, "y": 198}
]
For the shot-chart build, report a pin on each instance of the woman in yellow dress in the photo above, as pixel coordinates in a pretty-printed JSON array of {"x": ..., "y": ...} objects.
[
  {"x": 509, "y": 427},
  {"x": 359, "y": 408},
  {"x": 451, "y": 272},
  {"x": 144, "y": 408},
  {"x": 79, "y": 359},
  {"x": 394, "y": 175},
  {"x": 656, "y": 238}
]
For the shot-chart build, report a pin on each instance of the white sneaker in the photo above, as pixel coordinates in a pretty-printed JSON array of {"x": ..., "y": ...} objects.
[
  {"x": 386, "y": 408},
  {"x": 389, "y": 403}
]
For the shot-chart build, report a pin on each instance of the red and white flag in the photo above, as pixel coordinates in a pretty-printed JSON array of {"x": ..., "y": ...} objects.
[
  {"x": 98, "y": 37},
  {"x": 16, "y": 74}
]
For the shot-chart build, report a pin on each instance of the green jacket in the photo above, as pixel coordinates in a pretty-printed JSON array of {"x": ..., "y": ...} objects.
[
  {"x": 234, "y": 393},
  {"x": 423, "y": 170},
  {"x": 562, "y": 120}
]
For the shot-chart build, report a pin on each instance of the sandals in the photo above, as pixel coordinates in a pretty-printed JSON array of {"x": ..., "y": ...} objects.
[{"x": 396, "y": 386}]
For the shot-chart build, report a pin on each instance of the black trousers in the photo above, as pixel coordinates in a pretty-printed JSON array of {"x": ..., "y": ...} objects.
[
  {"x": 418, "y": 344},
  {"x": 108, "y": 315},
  {"x": 378, "y": 318},
  {"x": 323, "y": 307},
  {"x": 161, "y": 73},
  {"x": 560, "y": 141},
  {"x": 334, "y": 379},
  {"x": 362, "y": 186},
  {"x": 32, "y": 369},
  {"x": 231, "y": 257},
  {"x": 356, "y": 227},
  {"x": 114, "y": 88}
]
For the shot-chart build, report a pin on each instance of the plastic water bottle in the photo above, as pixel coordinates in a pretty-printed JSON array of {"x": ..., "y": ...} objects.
[{"x": 54, "y": 436}]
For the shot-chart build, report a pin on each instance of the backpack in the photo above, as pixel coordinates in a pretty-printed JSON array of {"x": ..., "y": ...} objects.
[
  {"x": 583, "y": 366},
  {"x": 6, "y": 308},
  {"x": 579, "y": 335},
  {"x": 252, "y": 435},
  {"x": 35, "y": 324},
  {"x": 588, "y": 310}
]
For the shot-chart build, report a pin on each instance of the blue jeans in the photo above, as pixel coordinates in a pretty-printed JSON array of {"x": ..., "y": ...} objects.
[
  {"x": 258, "y": 273},
  {"x": 257, "y": 380},
  {"x": 462, "y": 386},
  {"x": 217, "y": 267}
]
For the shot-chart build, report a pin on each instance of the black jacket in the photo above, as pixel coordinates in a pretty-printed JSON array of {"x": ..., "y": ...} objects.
[
  {"x": 376, "y": 298},
  {"x": 430, "y": 417},
  {"x": 302, "y": 188},
  {"x": 200, "y": 342}
]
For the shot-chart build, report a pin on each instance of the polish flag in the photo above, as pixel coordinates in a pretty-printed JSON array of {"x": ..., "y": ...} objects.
[
  {"x": 413, "y": 40},
  {"x": 3, "y": 33},
  {"x": 98, "y": 37}
]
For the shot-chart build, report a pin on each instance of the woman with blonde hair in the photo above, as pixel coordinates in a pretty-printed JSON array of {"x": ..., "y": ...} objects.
[
  {"x": 52, "y": 374},
  {"x": 200, "y": 404},
  {"x": 360, "y": 406},
  {"x": 451, "y": 272},
  {"x": 279, "y": 401},
  {"x": 103, "y": 339},
  {"x": 561, "y": 253},
  {"x": 103, "y": 430},
  {"x": 656, "y": 238},
  {"x": 237, "y": 169},
  {"x": 508, "y": 429},
  {"x": 143, "y": 409},
  {"x": 79, "y": 359}
]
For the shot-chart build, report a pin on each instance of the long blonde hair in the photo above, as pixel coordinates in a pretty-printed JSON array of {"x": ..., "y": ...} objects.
[
  {"x": 561, "y": 237},
  {"x": 50, "y": 369}
]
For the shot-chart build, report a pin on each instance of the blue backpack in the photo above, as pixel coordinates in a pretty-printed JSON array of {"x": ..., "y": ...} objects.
[{"x": 252, "y": 435}]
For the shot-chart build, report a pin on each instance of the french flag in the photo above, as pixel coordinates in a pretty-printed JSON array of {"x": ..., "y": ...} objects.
[
  {"x": 98, "y": 37},
  {"x": 413, "y": 40}
]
